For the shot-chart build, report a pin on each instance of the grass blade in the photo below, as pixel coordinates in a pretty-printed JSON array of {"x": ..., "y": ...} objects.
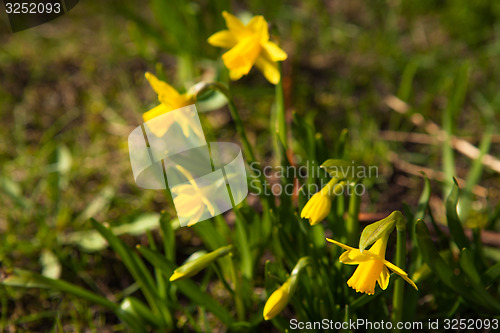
[
  {"x": 187, "y": 287},
  {"x": 454, "y": 224}
]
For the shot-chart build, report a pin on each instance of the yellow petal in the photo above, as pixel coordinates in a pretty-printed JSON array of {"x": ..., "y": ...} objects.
[
  {"x": 259, "y": 26},
  {"x": 322, "y": 209},
  {"x": 383, "y": 279},
  {"x": 274, "y": 51},
  {"x": 234, "y": 24},
  {"x": 195, "y": 218},
  {"x": 236, "y": 74},
  {"x": 209, "y": 205},
  {"x": 242, "y": 57},
  {"x": 269, "y": 68},
  {"x": 160, "y": 87},
  {"x": 277, "y": 301},
  {"x": 224, "y": 39},
  {"x": 354, "y": 257},
  {"x": 346, "y": 247},
  {"x": 155, "y": 112},
  {"x": 176, "y": 102},
  {"x": 400, "y": 272},
  {"x": 176, "y": 276},
  {"x": 306, "y": 210}
]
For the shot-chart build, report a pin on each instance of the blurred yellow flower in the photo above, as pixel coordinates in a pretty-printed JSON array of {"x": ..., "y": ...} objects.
[
  {"x": 281, "y": 296},
  {"x": 372, "y": 266},
  {"x": 170, "y": 100},
  {"x": 249, "y": 45},
  {"x": 190, "y": 200},
  {"x": 318, "y": 207},
  {"x": 277, "y": 301}
]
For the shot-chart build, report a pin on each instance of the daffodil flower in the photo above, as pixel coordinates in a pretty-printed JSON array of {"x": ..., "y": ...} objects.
[
  {"x": 277, "y": 301},
  {"x": 191, "y": 200},
  {"x": 281, "y": 296},
  {"x": 372, "y": 266},
  {"x": 170, "y": 100},
  {"x": 320, "y": 204},
  {"x": 249, "y": 45}
]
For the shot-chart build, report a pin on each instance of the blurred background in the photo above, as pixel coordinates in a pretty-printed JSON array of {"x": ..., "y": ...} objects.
[{"x": 74, "y": 88}]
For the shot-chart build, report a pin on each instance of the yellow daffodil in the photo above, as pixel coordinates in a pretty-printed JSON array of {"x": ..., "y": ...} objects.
[
  {"x": 190, "y": 200},
  {"x": 318, "y": 207},
  {"x": 372, "y": 266},
  {"x": 277, "y": 301},
  {"x": 249, "y": 45},
  {"x": 170, "y": 100},
  {"x": 281, "y": 296}
]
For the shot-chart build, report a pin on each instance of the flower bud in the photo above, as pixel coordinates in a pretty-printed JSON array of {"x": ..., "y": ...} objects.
[
  {"x": 194, "y": 266},
  {"x": 281, "y": 296},
  {"x": 375, "y": 231}
]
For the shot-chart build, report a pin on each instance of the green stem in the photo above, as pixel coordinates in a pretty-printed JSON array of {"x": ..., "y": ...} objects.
[
  {"x": 247, "y": 147},
  {"x": 352, "y": 224},
  {"x": 397, "y": 311},
  {"x": 281, "y": 129},
  {"x": 240, "y": 306}
]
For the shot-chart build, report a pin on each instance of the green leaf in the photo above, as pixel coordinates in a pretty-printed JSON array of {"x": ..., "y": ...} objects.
[
  {"x": 51, "y": 265},
  {"x": 373, "y": 232},
  {"x": 341, "y": 143},
  {"x": 341, "y": 169},
  {"x": 134, "y": 265},
  {"x": 475, "y": 171},
  {"x": 423, "y": 202},
  {"x": 454, "y": 224},
  {"x": 405, "y": 86},
  {"x": 91, "y": 240},
  {"x": 168, "y": 236},
  {"x": 440, "y": 267},
  {"x": 14, "y": 191},
  {"x": 63, "y": 161},
  {"x": 273, "y": 275},
  {"x": 187, "y": 287},
  {"x": 436, "y": 263},
  {"x": 243, "y": 246},
  {"x": 467, "y": 264},
  {"x": 26, "y": 279},
  {"x": 207, "y": 232},
  {"x": 194, "y": 266},
  {"x": 454, "y": 106},
  {"x": 139, "y": 309},
  {"x": 100, "y": 203},
  {"x": 211, "y": 101},
  {"x": 491, "y": 275}
]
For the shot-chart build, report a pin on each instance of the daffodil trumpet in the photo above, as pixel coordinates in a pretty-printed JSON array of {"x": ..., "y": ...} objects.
[
  {"x": 281, "y": 296},
  {"x": 320, "y": 204},
  {"x": 372, "y": 266}
]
